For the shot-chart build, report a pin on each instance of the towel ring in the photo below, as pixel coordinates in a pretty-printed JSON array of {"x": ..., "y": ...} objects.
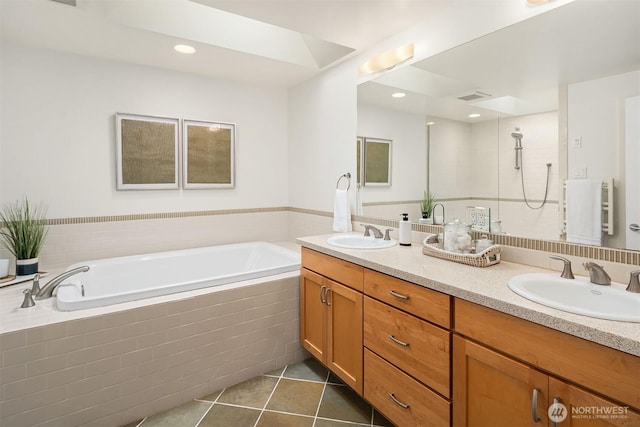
[{"x": 346, "y": 175}]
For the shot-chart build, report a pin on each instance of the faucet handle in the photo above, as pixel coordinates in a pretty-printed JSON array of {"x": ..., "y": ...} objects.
[
  {"x": 566, "y": 271},
  {"x": 386, "y": 234},
  {"x": 634, "y": 282},
  {"x": 28, "y": 299},
  {"x": 366, "y": 229}
]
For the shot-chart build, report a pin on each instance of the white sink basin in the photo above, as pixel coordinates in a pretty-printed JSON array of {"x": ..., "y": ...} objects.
[
  {"x": 357, "y": 241},
  {"x": 578, "y": 296}
]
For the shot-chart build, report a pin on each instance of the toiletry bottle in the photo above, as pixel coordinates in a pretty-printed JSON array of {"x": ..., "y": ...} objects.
[{"x": 405, "y": 230}]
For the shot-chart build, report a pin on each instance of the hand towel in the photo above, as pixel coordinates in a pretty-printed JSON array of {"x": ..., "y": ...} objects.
[
  {"x": 584, "y": 211},
  {"x": 341, "y": 212}
]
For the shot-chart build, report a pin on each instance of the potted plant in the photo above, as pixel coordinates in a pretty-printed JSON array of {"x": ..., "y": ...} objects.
[
  {"x": 426, "y": 204},
  {"x": 23, "y": 231}
]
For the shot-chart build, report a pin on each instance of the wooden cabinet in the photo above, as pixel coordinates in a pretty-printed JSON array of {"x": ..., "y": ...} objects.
[
  {"x": 492, "y": 388},
  {"x": 407, "y": 363},
  {"x": 585, "y": 409},
  {"x": 402, "y": 399},
  {"x": 331, "y": 323},
  {"x": 415, "y": 346}
]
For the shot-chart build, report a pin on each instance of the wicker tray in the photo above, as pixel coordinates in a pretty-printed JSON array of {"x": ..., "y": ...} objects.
[{"x": 489, "y": 256}]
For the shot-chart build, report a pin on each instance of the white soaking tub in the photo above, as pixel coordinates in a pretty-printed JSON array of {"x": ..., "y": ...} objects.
[{"x": 116, "y": 280}]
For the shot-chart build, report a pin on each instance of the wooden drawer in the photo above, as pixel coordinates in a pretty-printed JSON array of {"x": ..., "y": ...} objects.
[
  {"x": 424, "y": 407},
  {"x": 415, "y": 299},
  {"x": 597, "y": 367},
  {"x": 415, "y": 346},
  {"x": 336, "y": 269}
]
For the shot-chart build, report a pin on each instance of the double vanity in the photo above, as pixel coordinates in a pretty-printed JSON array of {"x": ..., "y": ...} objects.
[{"x": 429, "y": 342}]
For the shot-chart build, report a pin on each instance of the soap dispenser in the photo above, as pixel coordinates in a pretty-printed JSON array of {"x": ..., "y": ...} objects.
[{"x": 405, "y": 230}]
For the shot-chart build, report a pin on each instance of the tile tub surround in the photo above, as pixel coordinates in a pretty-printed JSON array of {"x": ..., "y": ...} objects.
[
  {"x": 113, "y": 367},
  {"x": 484, "y": 286},
  {"x": 298, "y": 395}
]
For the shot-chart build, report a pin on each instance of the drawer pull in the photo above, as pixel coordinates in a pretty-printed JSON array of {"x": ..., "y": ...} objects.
[
  {"x": 397, "y": 402},
  {"x": 534, "y": 405},
  {"x": 399, "y": 296},
  {"x": 397, "y": 341},
  {"x": 327, "y": 300},
  {"x": 323, "y": 298}
]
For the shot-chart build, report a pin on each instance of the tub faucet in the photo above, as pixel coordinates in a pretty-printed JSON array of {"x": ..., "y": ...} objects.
[
  {"x": 376, "y": 231},
  {"x": 597, "y": 274},
  {"x": 47, "y": 291}
]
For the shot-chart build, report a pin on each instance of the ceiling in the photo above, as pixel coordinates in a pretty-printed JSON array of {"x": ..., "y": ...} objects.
[
  {"x": 520, "y": 67},
  {"x": 275, "y": 43}
]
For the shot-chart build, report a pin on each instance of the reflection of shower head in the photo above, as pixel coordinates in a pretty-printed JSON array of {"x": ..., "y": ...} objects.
[{"x": 517, "y": 135}]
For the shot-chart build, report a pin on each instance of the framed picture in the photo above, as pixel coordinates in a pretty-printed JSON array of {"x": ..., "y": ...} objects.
[
  {"x": 376, "y": 163},
  {"x": 147, "y": 152},
  {"x": 208, "y": 154}
]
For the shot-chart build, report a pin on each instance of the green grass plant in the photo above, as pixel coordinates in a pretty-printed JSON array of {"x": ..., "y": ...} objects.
[{"x": 24, "y": 228}]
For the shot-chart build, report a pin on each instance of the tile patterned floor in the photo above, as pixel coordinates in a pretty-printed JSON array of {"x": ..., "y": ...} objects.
[{"x": 302, "y": 395}]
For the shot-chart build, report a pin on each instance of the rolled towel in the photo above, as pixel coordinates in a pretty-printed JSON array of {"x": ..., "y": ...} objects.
[{"x": 341, "y": 212}]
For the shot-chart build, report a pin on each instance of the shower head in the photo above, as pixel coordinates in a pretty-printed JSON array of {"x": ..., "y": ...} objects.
[{"x": 516, "y": 134}]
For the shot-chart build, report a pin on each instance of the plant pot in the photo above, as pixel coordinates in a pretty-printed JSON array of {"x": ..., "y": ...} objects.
[{"x": 25, "y": 267}]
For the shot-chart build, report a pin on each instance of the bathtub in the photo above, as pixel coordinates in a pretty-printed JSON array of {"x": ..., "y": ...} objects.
[{"x": 117, "y": 280}]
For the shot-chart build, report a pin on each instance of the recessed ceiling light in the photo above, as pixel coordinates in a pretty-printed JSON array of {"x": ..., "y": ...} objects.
[
  {"x": 474, "y": 115},
  {"x": 398, "y": 94},
  {"x": 184, "y": 48},
  {"x": 431, "y": 123}
]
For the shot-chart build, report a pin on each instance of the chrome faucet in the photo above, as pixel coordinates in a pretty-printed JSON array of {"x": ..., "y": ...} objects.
[
  {"x": 566, "y": 271},
  {"x": 47, "y": 291},
  {"x": 634, "y": 283},
  {"x": 376, "y": 231},
  {"x": 433, "y": 213},
  {"x": 597, "y": 274}
]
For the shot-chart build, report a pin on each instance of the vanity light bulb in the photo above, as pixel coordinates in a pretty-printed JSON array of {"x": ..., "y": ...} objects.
[{"x": 184, "y": 48}]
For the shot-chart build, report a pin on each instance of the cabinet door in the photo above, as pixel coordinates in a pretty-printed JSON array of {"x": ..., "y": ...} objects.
[
  {"x": 313, "y": 314},
  {"x": 582, "y": 409},
  {"x": 491, "y": 390},
  {"x": 344, "y": 334}
]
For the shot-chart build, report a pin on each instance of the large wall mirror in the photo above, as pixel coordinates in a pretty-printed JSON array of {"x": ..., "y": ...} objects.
[{"x": 503, "y": 121}]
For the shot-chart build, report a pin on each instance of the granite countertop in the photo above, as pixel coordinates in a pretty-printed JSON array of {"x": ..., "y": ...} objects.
[{"x": 483, "y": 286}]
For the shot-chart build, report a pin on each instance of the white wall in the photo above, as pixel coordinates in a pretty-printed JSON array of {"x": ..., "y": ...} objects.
[
  {"x": 322, "y": 111},
  {"x": 539, "y": 147},
  {"x": 57, "y": 137},
  {"x": 408, "y": 133},
  {"x": 596, "y": 117}
]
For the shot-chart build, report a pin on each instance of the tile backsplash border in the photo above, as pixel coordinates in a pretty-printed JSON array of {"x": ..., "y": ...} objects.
[{"x": 622, "y": 256}]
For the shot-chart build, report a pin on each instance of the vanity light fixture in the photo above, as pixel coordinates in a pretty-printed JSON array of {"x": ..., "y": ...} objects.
[
  {"x": 398, "y": 94},
  {"x": 387, "y": 60},
  {"x": 184, "y": 48},
  {"x": 474, "y": 115}
]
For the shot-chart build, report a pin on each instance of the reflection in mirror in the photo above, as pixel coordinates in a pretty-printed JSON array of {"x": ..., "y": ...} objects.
[
  {"x": 374, "y": 161},
  {"x": 567, "y": 92}
]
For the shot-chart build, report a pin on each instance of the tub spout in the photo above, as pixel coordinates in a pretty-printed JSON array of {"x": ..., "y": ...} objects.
[{"x": 47, "y": 291}]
